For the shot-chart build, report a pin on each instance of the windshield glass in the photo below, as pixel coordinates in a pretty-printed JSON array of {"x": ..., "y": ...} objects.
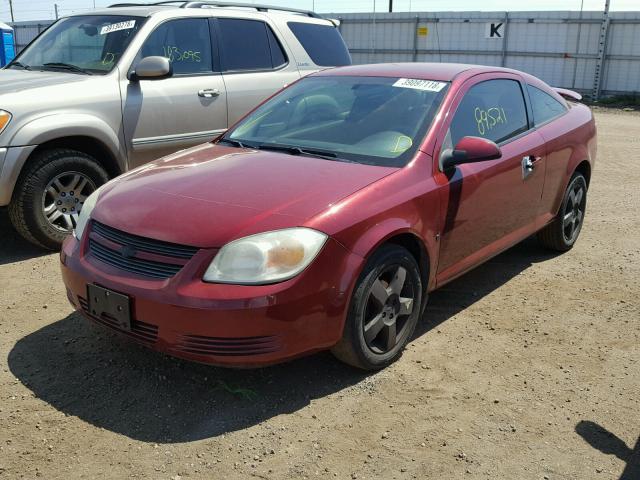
[
  {"x": 372, "y": 120},
  {"x": 90, "y": 44}
]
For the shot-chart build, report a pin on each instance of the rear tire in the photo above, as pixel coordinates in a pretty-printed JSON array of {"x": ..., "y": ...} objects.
[
  {"x": 561, "y": 234},
  {"x": 384, "y": 310},
  {"x": 56, "y": 179}
]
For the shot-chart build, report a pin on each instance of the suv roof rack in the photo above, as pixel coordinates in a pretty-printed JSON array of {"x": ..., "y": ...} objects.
[{"x": 209, "y": 3}]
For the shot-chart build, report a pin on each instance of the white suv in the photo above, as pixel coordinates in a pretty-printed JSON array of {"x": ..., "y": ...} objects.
[{"x": 97, "y": 94}]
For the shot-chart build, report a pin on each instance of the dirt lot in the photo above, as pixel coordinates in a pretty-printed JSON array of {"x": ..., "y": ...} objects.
[{"x": 526, "y": 368}]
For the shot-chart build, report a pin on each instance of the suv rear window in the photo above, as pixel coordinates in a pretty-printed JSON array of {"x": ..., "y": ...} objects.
[{"x": 323, "y": 43}]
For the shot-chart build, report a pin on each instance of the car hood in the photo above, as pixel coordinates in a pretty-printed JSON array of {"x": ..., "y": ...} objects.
[
  {"x": 15, "y": 81},
  {"x": 209, "y": 195}
]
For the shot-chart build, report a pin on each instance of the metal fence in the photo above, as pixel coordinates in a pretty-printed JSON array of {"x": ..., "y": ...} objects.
[
  {"x": 27, "y": 31},
  {"x": 589, "y": 51},
  {"x": 586, "y": 51}
]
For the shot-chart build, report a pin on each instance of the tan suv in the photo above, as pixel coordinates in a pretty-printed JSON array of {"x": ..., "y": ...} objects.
[{"x": 97, "y": 94}]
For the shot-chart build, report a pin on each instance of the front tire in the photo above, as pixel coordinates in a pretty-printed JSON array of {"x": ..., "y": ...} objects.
[
  {"x": 50, "y": 193},
  {"x": 384, "y": 310},
  {"x": 561, "y": 234}
]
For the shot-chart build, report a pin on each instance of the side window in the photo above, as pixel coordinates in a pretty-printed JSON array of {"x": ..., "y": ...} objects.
[
  {"x": 185, "y": 42},
  {"x": 545, "y": 107},
  {"x": 249, "y": 45},
  {"x": 494, "y": 109},
  {"x": 278, "y": 57},
  {"x": 323, "y": 44}
]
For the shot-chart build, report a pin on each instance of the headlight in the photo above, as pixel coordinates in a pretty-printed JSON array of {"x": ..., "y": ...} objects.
[
  {"x": 266, "y": 257},
  {"x": 85, "y": 213},
  {"x": 5, "y": 118}
]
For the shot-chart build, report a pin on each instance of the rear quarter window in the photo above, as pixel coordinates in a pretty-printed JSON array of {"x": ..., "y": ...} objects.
[
  {"x": 544, "y": 106},
  {"x": 323, "y": 44}
]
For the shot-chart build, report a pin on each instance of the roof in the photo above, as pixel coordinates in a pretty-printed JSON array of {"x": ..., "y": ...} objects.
[
  {"x": 137, "y": 11},
  {"x": 443, "y": 72},
  {"x": 146, "y": 9}
]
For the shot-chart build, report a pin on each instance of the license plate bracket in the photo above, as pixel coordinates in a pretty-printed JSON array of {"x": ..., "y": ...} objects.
[{"x": 107, "y": 303}]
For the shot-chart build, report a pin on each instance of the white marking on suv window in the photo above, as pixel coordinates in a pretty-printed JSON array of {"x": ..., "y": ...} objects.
[
  {"x": 417, "y": 84},
  {"x": 114, "y": 27}
]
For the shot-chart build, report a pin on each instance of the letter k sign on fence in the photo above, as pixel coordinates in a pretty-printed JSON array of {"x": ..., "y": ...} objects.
[{"x": 494, "y": 30}]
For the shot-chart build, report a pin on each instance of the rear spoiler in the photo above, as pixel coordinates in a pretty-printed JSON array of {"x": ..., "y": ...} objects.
[{"x": 568, "y": 94}]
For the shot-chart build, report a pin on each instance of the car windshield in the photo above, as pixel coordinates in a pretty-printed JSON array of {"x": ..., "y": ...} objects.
[
  {"x": 91, "y": 44},
  {"x": 372, "y": 120}
]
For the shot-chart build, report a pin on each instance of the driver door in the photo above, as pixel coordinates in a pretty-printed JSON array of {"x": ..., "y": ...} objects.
[
  {"x": 166, "y": 115},
  {"x": 490, "y": 205}
]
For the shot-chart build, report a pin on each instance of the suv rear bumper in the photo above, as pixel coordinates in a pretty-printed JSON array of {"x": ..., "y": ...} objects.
[{"x": 12, "y": 159}]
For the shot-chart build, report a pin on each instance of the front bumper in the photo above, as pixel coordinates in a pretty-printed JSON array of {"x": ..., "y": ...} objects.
[{"x": 232, "y": 325}]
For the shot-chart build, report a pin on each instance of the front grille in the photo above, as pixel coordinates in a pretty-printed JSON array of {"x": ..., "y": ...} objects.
[
  {"x": 141, "y": 331},
  {"x": 220, "y": 346},
  {"x": 144, "y": 244},
  {"x": 146, "y": 268},
  {"x": 122, "y": 250}
]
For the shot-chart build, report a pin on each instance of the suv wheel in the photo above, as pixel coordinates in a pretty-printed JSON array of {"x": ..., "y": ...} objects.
[{"x": 50, "y": 193}]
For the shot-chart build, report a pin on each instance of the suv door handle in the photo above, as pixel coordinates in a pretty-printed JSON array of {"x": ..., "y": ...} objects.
[{"x": 209, "y": 93}]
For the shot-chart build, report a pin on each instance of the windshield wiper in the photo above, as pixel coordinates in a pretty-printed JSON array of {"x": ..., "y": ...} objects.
[
  {"x": 20, "y": 65},
  {"x": 293, "y": 150},
  {"x": 67, "y": 66},
  {"x": 234, "y": 143}
]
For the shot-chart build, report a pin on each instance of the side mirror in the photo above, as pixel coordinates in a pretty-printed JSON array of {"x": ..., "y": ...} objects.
[
  {"x": 152, "y": 68},
  {"x": 469, "y": 150}
]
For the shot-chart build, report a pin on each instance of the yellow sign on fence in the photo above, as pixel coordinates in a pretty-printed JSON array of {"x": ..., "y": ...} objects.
[{"x": 423, "y": 31}]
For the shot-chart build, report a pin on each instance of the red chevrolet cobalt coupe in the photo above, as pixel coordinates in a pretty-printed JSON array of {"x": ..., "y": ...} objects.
[{"x": 324, "y": 217}]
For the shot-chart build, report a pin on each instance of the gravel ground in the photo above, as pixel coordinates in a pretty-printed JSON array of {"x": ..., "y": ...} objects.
[{"x": 525, "y": 368}]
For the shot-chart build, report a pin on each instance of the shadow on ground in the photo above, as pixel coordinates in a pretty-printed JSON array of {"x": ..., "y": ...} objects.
[
  {"x": 86, "y": 372},
  {"x": 14, "y": 248},
  {"x": 608, "y": 443}
]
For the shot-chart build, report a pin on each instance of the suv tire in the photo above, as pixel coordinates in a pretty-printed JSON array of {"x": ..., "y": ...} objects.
[{"x": 49, "y": 170}]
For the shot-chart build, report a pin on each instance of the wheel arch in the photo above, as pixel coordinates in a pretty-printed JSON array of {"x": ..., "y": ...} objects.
[
  {"x": 580, "y": 162},
  {"x": 77, "y": 131},
  {"x": 584, "y": 167},
  {"x": 86, "y": 144},
  {"x": 399, "y": 233},
  {"x": 417, "y": 248}
]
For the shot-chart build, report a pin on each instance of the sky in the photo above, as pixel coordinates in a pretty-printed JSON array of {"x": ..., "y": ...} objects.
[{"x": 44, "y": 9}]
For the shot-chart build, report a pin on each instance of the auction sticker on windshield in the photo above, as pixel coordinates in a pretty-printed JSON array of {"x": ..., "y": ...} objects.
[
  {"x": 417, "y": 84},
  {"x": 114, "y": 27}
]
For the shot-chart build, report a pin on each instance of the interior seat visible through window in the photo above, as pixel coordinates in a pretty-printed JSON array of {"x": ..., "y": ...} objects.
[{"x": 315, "y": 109}]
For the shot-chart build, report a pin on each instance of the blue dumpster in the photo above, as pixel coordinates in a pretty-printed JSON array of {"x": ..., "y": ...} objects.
[{"x": 7, "y": 45}]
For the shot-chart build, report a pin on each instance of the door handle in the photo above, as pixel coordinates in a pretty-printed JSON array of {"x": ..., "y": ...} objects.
[
  {"x": 209, "y": 93},
  {"x": 528, "y": 165}
]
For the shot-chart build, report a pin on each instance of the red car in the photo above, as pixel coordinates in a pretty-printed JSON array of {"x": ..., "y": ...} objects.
[{"x": 324, "y": 217}]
